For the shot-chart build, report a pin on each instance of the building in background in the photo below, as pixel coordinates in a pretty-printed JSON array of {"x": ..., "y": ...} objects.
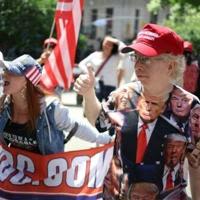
[{"x": 120, "y": 18}]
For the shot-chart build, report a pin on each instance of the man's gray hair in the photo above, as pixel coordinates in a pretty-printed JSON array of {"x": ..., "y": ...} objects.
[{"x": 179, "y": 67}]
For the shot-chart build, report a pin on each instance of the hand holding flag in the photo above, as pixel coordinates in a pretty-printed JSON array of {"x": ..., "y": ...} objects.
[{"x": 58, "y": 70}]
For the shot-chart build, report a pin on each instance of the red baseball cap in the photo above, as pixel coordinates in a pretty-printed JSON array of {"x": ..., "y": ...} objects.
[
  {"x": 154, "y": 40},
  {"x": 51, "y": 41},
  {"x": 188, "y": 46}
]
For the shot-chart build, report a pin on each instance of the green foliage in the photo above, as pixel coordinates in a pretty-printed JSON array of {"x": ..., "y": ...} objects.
[
  {"x": 82, "y": 41},
  {"x": 185, "y": 21},
  {"x": 24, "y": 25},
  {"x": 184, "y": 18},
  {"x": 81, "y": 47},
  {"x": 154, "y": 6}
]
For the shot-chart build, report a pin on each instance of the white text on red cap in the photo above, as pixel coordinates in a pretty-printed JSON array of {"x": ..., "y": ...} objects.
[{"x": 147, "y": 35}]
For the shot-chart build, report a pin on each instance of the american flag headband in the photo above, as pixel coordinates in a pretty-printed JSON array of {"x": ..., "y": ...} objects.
[{"x": 33, "y": 74}]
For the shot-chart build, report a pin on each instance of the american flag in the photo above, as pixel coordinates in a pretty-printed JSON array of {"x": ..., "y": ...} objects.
[
  {"x": 58, "y": 70},
  {"x": 34, "y": 75}
]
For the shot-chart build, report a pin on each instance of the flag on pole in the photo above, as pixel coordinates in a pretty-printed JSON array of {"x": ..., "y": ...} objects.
[{"x": 58, "y": 70}]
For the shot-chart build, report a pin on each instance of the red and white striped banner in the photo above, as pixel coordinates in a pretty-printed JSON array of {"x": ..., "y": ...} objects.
[
  {"x": 58, "y": 70},
  {"x": 75, "y": 175}
]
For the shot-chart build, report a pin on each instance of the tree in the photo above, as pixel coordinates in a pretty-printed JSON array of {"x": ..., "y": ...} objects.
[
  {"x": 24, "y": 25},
  {"x": 184, "y": 17},
  {"x": 81, "y": 48},
  {"x": 154, "y": 5},
  {"x": 187, "y": 24}
]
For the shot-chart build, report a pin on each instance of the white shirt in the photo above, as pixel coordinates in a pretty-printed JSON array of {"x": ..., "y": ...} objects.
[
  {"x": 109, "y": 71},
  {"x": 167, "y": 171},
  {"x": 149, "y": 130}
]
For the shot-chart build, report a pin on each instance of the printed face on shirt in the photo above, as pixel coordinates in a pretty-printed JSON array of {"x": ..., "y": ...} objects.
[
  {"x": 150, "y": 108},
  {"x": 112, "y": 179},
  {"x": 195, "y": 122},
  {"x": 181, "y": 103},
  {"x": 123, "y": 99},
  {"x": 12, "y": 83},
  {"x": 143, "y": 191},
  {"x": 174, "y": 150}
]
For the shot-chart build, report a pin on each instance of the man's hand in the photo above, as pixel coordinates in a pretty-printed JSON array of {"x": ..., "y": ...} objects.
[{"x": 84, "y": 84}]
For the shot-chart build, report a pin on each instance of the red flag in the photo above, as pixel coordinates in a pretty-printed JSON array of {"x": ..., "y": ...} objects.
[{"x": 58, "y": 70}]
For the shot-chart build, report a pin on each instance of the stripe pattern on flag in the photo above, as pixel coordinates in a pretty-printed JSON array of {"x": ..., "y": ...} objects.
[
  {"x": 33, "y": 74},
  {"x": 58, "y": 70}
]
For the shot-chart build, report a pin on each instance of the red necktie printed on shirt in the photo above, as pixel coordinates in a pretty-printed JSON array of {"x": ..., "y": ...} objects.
[
  {"x": 141, "y": 143},
  {"x": 169, "y": 182}
]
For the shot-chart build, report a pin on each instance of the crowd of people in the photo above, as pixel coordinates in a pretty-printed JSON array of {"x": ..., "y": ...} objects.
[{"x": 151, "y": 112}]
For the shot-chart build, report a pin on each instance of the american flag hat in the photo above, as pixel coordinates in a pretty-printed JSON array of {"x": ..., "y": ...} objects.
[{"x": 24, "y": 65}]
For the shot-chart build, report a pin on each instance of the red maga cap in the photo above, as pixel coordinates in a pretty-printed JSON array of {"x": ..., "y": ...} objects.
[
  {"x": 188, "y": 46},
  {"x": 154, "y": 40},
  {"x": 52, "y": 41}
]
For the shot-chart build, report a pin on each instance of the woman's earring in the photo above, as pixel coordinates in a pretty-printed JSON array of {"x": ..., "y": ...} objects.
[{"x": 23, "y": 92}]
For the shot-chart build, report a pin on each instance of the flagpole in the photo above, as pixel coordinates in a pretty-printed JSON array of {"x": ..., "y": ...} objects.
[{"x": 51, "y": 33}]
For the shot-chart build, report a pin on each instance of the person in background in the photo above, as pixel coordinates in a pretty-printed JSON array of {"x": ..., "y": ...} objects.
[
  {"x": 128, "y": 74},
  {"x": 126, "y": 71},
  {"x": 157, "y": 55},
  {"x": 48, "y": 46},
  {"x": 33, "y": 121},
  {"x": 105, "y": 64},
  {"x": 191, "y": 77}
]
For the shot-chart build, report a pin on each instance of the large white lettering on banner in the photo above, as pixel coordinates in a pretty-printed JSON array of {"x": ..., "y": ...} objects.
[{"x": 64, "y": 172}]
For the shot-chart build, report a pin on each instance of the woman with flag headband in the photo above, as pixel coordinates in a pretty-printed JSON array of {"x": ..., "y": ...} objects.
[
  {"x": 32, "y": 121},
  {"x": 144, "y": 110},
  {"x": 41, "y": 121}
]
